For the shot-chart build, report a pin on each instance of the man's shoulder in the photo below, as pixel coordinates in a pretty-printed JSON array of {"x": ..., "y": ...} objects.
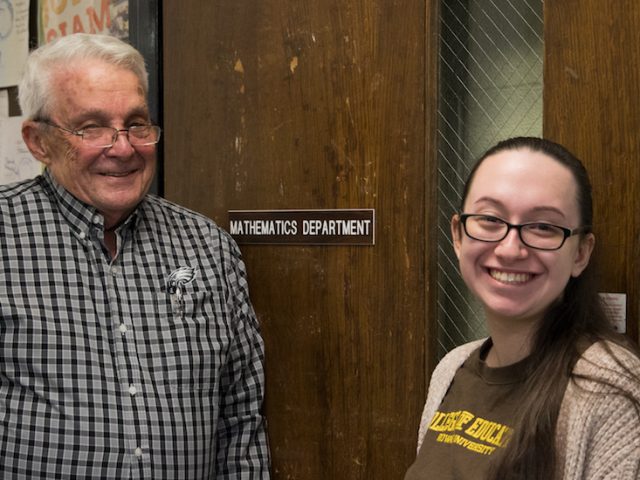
[
  {"x": 26, "y": 198},
  {"x": 15, "y": 191},
  {"x": 166, "y": 215},
  {"x": 159, "y": 204}
]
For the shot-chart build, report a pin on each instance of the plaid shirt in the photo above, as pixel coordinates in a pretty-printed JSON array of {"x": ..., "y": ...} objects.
[{"x": 148, "y": 366}]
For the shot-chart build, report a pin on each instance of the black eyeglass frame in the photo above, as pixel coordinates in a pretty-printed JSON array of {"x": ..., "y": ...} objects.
[
  {"x": 114, "y": 138},
  {"x": 567, "y": 232}
]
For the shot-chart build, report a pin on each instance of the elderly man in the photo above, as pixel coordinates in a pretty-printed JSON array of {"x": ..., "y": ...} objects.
[{"x": 128, "y": 344}]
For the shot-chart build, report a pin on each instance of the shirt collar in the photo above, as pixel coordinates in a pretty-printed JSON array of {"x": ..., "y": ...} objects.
[
  {"x": 514, "y": 373},
  {"x": 81, "y": 217}
]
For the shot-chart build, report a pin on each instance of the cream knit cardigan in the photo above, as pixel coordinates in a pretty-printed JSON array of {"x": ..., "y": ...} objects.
[{"x": 598, "y": 435}]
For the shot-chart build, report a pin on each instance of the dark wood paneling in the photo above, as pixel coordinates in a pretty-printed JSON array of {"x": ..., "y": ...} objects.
[
  {"x": 284, "y": 104},
  {"x": 592, "y": 105}
]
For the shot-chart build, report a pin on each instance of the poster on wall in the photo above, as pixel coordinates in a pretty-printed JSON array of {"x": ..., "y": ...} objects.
[
  {"x": 14, "y": 40},
  {"x": 57, "y": 18}
]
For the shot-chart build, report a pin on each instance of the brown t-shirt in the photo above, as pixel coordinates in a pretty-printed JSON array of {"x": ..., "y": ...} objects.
[{"x": 473, "y": 422}]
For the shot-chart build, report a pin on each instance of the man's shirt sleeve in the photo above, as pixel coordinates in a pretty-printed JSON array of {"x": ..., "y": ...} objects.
[{"x": 242, "y": 446}]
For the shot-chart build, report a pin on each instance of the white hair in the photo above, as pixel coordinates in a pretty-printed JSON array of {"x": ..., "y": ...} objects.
[{"x": 34, "y": 92}]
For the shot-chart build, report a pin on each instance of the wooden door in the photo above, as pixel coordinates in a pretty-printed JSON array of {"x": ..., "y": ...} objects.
[
  {"x": 282, "y": 104},
  {"x": 592, "y": 105}
]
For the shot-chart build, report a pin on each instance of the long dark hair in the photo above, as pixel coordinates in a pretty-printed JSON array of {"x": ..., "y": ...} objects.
[{"x": 577, "y": 318}]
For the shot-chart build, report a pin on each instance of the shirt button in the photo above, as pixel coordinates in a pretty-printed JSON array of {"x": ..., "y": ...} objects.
[
  {"x": 82, "y": 235},
  {"x": 133, "y": 390},
  {"x": 114, "y": 271},
  {"x": 122, "y": 328},
  {"x": 138, "y": 452}
]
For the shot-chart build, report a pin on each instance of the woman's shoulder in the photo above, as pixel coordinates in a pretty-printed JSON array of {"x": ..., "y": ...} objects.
[
  {"x": 441, "y": 380},
  {"x": 446, "y": 369},
  {"x": 610, "y": 363},
  {"x": 606, "y": 373},
  {"x": 456, "y": 357},
  {"x": 598, "y": 425}
]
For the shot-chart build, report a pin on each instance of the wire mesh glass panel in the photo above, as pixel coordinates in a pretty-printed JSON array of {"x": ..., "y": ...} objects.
[{"x": 490, "y": 89}]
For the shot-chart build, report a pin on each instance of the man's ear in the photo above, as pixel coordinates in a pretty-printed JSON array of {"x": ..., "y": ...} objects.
[
  {"x": 456, "y": 233},
  {"x": 36, "y": 141},
  {"x": 583, "y": 254}
]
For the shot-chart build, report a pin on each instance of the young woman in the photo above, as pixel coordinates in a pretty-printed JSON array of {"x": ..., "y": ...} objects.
[{"x": 554, "y": 392}]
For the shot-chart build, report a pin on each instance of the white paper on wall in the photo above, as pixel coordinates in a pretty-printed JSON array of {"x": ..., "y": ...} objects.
[
  {"x": 14, "y": 40},
  {"x": 615, "y": 305},
  {"x": 16, "y": 162}
]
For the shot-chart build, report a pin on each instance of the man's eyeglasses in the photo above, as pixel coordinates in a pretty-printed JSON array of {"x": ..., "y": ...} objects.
[
  {"x": 104, "y": 137},
  {"x": 538, "y": 235}
]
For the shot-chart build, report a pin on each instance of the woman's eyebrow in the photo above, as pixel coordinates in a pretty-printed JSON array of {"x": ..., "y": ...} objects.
[
  {"x": 538, "y": 209},
  {"x": 549, "y": 208}
]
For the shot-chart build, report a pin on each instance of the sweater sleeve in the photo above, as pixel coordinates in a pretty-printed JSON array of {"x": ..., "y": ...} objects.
[{"x": 599, "y": 424}]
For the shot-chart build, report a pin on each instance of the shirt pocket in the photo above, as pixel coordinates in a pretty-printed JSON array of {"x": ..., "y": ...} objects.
[{"x": 186, "y": 341}]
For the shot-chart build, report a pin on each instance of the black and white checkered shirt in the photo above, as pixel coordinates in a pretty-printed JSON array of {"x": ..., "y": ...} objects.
[{"x": 146, "y": 366}]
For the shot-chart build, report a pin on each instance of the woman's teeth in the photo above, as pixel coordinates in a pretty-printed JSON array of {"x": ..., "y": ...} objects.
[{"x": 507, "y": 277}]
